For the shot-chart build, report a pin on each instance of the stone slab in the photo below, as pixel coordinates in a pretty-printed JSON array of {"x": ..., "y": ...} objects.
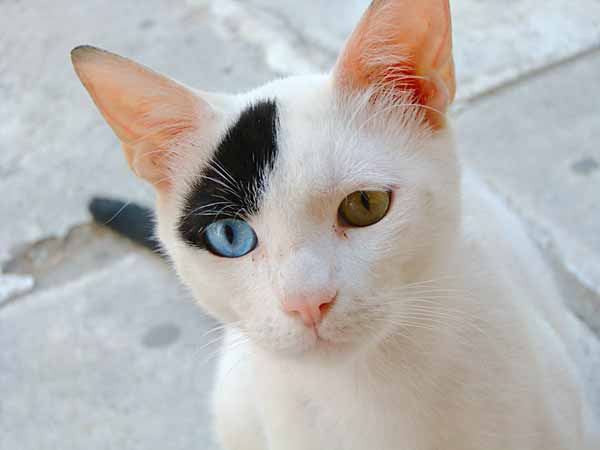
[
  {"x": 113, "y": 360},
  {"x": 537, "y": 144}
]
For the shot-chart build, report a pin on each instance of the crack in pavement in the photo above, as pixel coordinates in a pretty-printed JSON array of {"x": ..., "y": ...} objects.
[{"x": 54, "y": 261}]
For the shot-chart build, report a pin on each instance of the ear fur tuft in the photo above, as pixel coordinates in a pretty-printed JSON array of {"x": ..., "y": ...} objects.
[{"x": 402, "y": 47}]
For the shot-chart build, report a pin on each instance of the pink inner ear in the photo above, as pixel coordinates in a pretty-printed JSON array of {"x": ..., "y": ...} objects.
[
  {"x": 149, "y": 113},
  {"x": 137, "y": 102},
  {"x": 403, "y": 46}
]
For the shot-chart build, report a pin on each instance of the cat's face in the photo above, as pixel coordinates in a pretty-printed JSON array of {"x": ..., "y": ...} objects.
[
  {"x": 302, "y": 211},
  {"x": 320, "y": 149}
]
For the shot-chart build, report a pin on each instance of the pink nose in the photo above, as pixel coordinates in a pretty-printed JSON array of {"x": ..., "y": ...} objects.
[{"x": 310, "y": 309}]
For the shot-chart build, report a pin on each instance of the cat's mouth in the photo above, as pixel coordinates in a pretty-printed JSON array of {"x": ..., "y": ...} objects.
[
  {"x": 321, "y": 341},
  {"x": 325, "y": 345},
  {"x": 314, "y": 343}
]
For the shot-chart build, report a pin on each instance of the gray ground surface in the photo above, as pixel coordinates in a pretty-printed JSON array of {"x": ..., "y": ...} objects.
[{"x": 101, "y": 347}]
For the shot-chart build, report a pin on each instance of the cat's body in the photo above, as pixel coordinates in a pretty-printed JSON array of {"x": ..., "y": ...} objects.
[{"x": 376, "y": 299}]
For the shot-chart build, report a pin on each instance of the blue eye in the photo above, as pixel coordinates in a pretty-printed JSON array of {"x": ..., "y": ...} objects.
[{"x": 230, "y": 238}]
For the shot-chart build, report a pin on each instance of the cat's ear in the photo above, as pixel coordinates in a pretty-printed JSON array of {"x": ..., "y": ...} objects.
[
  {"x": 400, "y": 47},
  {"x": 151, "y": 114}
]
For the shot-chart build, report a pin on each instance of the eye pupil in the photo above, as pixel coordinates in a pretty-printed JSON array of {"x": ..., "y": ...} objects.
[
  {"x": 230, "y": 238},
  {"x": 229, "y": 233},
  {"x": 364, "y": 200}
]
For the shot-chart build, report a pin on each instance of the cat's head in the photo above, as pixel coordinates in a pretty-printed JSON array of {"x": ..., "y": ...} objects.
[{"x": 299, "y": 212}]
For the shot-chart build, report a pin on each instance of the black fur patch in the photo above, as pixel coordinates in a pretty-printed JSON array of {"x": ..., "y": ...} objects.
[{"x": 231, "y": 185}]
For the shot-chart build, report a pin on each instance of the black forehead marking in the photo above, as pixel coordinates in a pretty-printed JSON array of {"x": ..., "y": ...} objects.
[{"x": 231, "y": 184}]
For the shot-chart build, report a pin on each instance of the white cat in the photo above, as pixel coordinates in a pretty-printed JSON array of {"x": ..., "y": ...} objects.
[{"x": 375, "y": 298}]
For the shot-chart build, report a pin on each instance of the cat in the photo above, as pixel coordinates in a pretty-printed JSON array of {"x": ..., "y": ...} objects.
[{"x": 375, "y": 295}]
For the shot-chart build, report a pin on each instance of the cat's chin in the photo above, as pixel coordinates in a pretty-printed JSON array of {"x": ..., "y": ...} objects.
[{"x": 318, "y": 351}]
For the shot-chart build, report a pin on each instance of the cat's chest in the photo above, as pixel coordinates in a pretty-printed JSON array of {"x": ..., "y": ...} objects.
[{"x": 339, "y": 412}]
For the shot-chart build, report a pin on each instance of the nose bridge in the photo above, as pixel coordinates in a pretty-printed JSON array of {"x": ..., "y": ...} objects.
[
  {"x": 307, "y": 284},
  {"x": 306, "y": 271}
]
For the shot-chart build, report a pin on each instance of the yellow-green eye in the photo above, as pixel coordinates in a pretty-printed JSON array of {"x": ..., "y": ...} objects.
[{"x": 364, "y": 208}]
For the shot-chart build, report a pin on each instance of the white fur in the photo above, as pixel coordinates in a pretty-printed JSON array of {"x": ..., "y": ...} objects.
[{"x": 447, "y": 333}]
